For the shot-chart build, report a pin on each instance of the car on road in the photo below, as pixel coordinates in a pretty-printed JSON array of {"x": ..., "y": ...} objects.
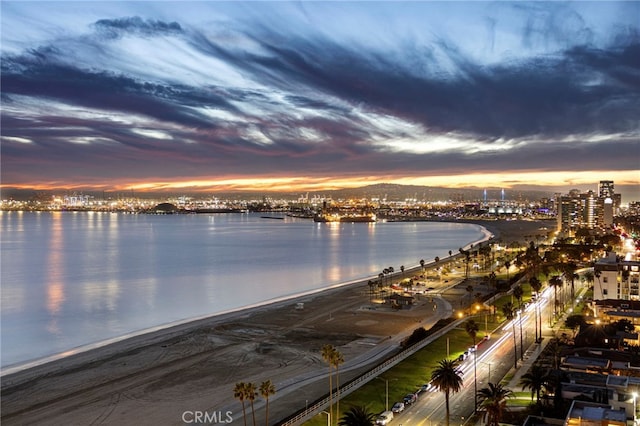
[
  {"x": 398, "y": 407},
  {"x": 410, "y": 398},
  {"x": 384, "y": 418}
]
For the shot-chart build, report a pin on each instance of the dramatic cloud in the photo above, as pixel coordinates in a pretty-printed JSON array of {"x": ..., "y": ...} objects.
[{"x": 161, "y": 91}]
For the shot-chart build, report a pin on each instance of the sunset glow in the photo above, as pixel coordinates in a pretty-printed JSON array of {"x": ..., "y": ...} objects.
[{"x": 312, "y": 96}]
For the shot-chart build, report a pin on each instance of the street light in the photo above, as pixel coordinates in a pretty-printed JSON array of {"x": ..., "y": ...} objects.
[
  {"x": 635, "y": 397},
  {"x": 488, "y": 364},
  {"x": 328, "y": 417},
  {"x": 386, "y": 382}
]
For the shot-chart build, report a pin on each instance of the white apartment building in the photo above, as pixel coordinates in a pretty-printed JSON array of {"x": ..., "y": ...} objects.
[{"x": 616, "y": 278}]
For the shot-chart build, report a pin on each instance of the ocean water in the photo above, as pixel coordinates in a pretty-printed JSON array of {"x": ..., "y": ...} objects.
[{"x": 72, "y": 280}]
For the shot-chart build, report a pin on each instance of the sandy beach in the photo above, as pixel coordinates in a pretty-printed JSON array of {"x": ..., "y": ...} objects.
[{"x": 163, "y": 377}]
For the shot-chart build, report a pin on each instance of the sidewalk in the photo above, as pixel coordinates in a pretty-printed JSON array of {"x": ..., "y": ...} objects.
[
  {"x": 530, "y": 357},
  {"x": 534, "y": 351}
]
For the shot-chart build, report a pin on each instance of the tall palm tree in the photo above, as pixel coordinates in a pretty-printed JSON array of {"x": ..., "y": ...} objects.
[
  {"x": 336, "y": 360},
  {"x": 328, "y": 353},
  {"x": 266, "y": 390},
  {"x": 555, "y": 282},
  {"x": 589, "y": 276},
  {"x": 508, "y": 311},
  {"x": 250, "y": 395},
  {"x": 402, "y": 270},
  {"x": 569, "y": 273},
  {"x": 357, "y": 416},
  {"x": 536, "y": 286},
  {"x": 447, "y": 378},
  {"x": 535, "y": 379},
  {"x": 518, "y": 293},
  {"x": 471, "y": 327},
  {"x": 507, "y": 265},
  {"x": 422, "y": 264},
  {"x": 494, "y": 402},
  {"x": 467, "y": 259},
  {"x": 239, "y": 393}
]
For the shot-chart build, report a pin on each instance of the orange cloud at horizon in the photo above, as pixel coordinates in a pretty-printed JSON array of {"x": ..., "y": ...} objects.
[{"x": 306, "y": 183}]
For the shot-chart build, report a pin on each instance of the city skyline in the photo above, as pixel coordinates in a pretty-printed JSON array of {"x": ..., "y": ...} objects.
[{"x": 308, "y": 96}]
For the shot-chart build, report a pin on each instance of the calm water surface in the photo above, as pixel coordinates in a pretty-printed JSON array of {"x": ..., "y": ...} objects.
[{"x": 70, "y": 279}]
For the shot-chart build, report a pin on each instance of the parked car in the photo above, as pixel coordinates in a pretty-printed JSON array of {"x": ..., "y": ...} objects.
[
  {"x": 398, "y": 407},
  {"x": 410, "y": 398},
  {"x": 384, "y": 418}
]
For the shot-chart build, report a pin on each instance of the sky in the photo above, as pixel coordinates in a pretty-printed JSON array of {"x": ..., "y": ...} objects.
[{"x": 308, "y": 95}]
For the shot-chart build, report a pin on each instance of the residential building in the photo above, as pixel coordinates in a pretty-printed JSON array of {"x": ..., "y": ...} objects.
[{"x": 616, "y": 278}]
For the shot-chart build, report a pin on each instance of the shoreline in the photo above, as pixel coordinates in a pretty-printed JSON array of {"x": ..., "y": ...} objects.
[
  {"x": 167, "y": 330},
  {"x": 163, "y": 331},
  {"x": 194, "y": 365}
]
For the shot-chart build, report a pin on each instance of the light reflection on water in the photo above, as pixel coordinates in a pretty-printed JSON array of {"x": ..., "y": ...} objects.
[{"x": 71, "y": 279}]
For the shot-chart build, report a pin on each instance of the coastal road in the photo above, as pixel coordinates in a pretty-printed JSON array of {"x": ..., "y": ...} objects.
[{"x": 495, "y": 358}]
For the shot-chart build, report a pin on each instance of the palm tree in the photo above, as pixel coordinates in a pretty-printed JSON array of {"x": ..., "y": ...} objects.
[
  {"x": 535, "y": 379},
  {"x": 422, "y": 264},
  {"x": 250, "y": 395},
  {"x": 494, "y": 402},
  {"x": 467, "y": 259},
  {"x": 266, "y": 390},
  {"x": 328, "y": 352},
  {"x": 518, "y": 293},
  {"x": 385, "y": 271},
  {"x": 447, "y": 378},
  {"x": 536, "y": 285},
  {"x": 597, "y": 274},
  {"x": 508, "y": 311},
  {"x": 336, "y": 360},
  {"x": 370, "y": 283},
  {"x": 471, "y": 327},
  {"x": 507, "y": 265},
  {"x": 239, "y": 393},
  {"x": 589, "y": 276},
  {"x": 555, "y": 282},
  {"x": 402, "y": 270},
  {"x": 569, "y": 273},
  {"x": 357, "y": 416},
  {"x": 469, "y": 289}
]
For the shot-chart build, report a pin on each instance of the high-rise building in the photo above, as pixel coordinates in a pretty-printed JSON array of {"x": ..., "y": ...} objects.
[
  {"x": 568, "y": 212},
  {"x": 606, "y": 189},
  {"x": 608, "y": 203},
  {"x": 587, "y": 210}
]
